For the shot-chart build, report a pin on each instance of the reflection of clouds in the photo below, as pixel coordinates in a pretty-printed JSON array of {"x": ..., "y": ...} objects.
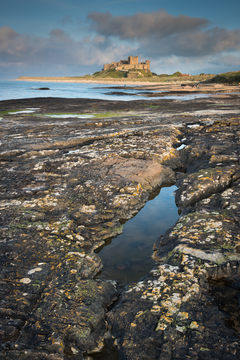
[
  {"x": 128, "y": 257},
  {"x": 157, "y": 216}
]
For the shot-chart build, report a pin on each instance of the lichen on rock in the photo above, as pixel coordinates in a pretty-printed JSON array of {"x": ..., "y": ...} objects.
[{"x": 67, "y": 185}]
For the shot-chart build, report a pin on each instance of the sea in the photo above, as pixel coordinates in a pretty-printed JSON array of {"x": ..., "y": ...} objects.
[{"x": 11, "y": 89}]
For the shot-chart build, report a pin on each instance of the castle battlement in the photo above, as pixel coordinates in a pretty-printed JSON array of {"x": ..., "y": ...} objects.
[{"x": 130, "y": 64}]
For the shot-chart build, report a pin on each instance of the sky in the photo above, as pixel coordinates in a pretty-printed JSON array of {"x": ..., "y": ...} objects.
[{"x": 76, "y": 37}]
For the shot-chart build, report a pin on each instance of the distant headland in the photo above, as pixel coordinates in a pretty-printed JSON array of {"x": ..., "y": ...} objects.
[{"x": 131, "y": 71}]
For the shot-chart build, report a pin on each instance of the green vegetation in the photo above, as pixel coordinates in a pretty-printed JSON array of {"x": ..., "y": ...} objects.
[
  {"x": 114, "y": 74},
  {"x": 110, "y": 114},
  {"x": 8, "y": 112},
  {"x": 178, "y": 76},
  {"x": 177, "y": 73},
  {"x": 154, "y": 106},
  {"x": 232, "y": 78},
  {"x": 141, "y": 73},
  {"x": 145, "y": 76}
]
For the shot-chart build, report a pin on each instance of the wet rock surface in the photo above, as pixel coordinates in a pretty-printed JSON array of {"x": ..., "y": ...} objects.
[{"x": 67, "y": 184}]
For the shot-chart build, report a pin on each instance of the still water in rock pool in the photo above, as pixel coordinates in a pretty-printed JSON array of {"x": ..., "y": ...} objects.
[{"x": 127, "y": 257}]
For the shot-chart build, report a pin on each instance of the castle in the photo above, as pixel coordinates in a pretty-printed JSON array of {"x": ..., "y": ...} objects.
[{"x": 127, "y": 65}]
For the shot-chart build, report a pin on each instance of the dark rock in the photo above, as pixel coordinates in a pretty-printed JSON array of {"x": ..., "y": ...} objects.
[
  {"x": 43, "y": 88},
  {"x": 66, "y": 187}
]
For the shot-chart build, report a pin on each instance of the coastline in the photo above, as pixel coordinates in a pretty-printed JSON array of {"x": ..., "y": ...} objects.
[{"x": 188, "y": 86}]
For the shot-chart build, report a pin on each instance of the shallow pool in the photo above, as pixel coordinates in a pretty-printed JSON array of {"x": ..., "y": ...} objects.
[{"x": 127, "y": 257}]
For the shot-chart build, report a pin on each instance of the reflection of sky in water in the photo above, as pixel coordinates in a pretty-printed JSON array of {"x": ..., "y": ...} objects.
[
  {"x": 128, "y": 257},
  {"x": 66, "y": 116}
]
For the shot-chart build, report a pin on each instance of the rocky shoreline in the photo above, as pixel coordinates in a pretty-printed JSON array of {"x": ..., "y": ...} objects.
[{"x": 67, "y": 183}]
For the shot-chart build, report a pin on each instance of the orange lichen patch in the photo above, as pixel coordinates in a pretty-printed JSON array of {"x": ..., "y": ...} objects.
[
  {"x": 161, "y": 327},
  {"x": 166, "y": 318},
  {"x": 172, "y": 153},
  {"x": 139, "y": 189},
  {"x": 73, "y": 271},
  {"x": 194, "y": 325},
  {"x": 123, "y": 313},
  {"x": 140, "y": 313},
  {"x": 156, "y": 309},
  {"x": 183, "y": 315}
]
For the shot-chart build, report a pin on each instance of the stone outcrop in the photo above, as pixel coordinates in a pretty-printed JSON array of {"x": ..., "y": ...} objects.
[
  {"x": 67, "y": 185},
  {"x": 191, "y": 299}
]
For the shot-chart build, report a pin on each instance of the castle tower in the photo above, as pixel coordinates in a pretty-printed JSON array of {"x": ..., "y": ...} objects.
[
  {"x": 133, "y": 60},
  {"x": 147, "y": 62}
]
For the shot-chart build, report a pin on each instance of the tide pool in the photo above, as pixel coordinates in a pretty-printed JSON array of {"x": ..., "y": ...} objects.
[{"x": 127, "y": 257}]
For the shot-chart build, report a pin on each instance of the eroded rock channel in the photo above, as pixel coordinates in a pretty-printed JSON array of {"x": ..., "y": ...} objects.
[{"x": 67, "y": 184}]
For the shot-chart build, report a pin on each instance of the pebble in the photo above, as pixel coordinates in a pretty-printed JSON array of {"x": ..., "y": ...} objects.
[{"x": 25, "y": 281}]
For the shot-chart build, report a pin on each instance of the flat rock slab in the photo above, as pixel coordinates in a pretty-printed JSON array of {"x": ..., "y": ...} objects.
[{"x": 147, "y": 173}]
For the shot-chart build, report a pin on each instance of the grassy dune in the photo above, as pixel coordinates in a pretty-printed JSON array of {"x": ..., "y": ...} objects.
[{"x": 232, "y": 78}]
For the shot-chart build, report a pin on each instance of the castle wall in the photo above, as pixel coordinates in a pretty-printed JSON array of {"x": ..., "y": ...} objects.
[
  {"x": 130, "y": 64},
  {"x": 113, "y": 65}
]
